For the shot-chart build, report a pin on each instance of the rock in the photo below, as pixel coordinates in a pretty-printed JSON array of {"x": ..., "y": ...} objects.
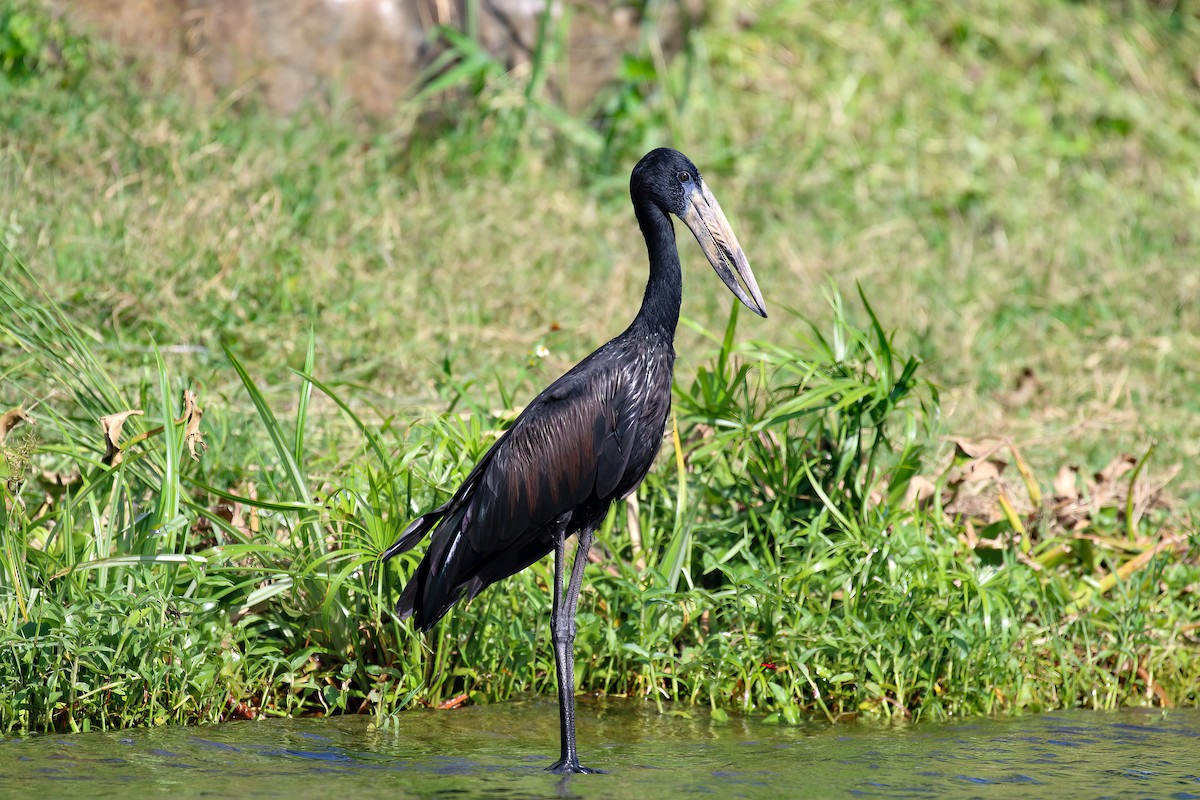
[{"x": 293, "y": 52}]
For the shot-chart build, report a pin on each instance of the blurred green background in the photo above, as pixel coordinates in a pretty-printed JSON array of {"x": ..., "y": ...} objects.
[{"x": 1014, "y": 184}]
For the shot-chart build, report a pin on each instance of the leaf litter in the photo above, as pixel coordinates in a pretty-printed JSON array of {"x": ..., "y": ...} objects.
[{"x": 999, "y": 509}]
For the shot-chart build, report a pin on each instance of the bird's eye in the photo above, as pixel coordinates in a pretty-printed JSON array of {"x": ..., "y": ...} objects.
[{"x": 685, "y": 177}]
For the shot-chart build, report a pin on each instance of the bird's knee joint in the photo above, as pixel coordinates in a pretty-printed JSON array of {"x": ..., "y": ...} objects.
[{"x": 563, "y": 633}]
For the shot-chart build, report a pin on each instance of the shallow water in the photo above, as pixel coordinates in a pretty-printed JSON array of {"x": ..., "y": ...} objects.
[{"x": 502, "y": 750}]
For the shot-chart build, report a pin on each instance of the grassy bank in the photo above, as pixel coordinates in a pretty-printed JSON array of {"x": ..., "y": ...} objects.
[{"x": 359, "y": 306}]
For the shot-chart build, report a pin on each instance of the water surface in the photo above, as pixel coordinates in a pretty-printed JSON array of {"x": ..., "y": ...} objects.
[{"x": 501, "y": 751}]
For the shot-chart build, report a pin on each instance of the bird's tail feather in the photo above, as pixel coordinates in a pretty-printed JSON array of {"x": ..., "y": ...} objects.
[
  {"x": 416, "y": 531},
  {"x": 438, "y": 582},
  {"x": 430, "y": 610},
  {"x": 407, "y": 603}
]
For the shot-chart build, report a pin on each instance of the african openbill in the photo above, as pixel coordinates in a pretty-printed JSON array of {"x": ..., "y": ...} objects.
[{"x": 585, "y": 441}]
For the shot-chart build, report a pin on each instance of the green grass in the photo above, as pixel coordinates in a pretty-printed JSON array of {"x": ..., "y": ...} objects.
[{"x": 360, "y": 305}]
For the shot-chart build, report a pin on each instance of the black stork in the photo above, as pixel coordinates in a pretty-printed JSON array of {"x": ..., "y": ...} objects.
[{"x": 588, "y": 439}]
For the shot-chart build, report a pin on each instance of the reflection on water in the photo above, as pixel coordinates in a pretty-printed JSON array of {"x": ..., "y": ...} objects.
[{"x": 501, "y": 751}]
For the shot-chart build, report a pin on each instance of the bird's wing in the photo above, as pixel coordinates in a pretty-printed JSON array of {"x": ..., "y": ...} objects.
[
  {"x": 571, "y": 445},
  {"x": 416, "y": 530},
  {"x": 568, "y": 451}
]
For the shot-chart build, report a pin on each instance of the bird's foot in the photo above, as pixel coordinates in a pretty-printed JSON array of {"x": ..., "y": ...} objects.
[{"x": 570, "y": 766}]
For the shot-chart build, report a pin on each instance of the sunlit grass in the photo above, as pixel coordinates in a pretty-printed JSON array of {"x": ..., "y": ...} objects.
[
  {"x": 787, "y": 568},
  {"x": 1012, "y": 182}
]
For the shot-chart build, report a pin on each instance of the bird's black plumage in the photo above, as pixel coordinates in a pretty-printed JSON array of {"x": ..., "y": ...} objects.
[{"x": 588, "y": 439}]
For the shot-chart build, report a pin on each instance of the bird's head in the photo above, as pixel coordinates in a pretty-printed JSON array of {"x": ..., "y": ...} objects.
[{"x": 669, "y": 180}]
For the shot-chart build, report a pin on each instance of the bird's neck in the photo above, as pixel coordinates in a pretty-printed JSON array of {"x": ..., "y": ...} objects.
[{"x": 660, "y": 305}]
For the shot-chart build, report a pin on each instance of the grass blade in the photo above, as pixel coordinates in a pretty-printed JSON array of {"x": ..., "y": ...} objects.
[{"x": 295, "y": 477}]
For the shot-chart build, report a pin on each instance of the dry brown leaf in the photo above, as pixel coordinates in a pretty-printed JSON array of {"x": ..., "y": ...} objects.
[
  {"x": 55, "y": 483},
  {"x": 976, "y": 450},
  {"x": 210, "y": 535},
  {"x": 969, "y": 537},
  {"x": 112, "y": 425},
  {"x": 1026, "y": 389},
  {"x": 11, "y": 419},
  {"x": 976, "y": 506},
  {"x": 192, "y": 414},
  {"x": 1065, "y": 487},
  {"x": 253, "y": 527},
  {"x": 1116, "y": 468},
  {"x": 454, "y": 702},
  {"x": 920, "y": 489},
  {"x": 240, "y": 710},
  {"x": 981, "y": 469},
  {"x": 1073, "y": 515}
]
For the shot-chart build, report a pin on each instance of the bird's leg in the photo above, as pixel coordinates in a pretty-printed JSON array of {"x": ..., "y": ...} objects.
[{"x": 562, "y": 627}]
